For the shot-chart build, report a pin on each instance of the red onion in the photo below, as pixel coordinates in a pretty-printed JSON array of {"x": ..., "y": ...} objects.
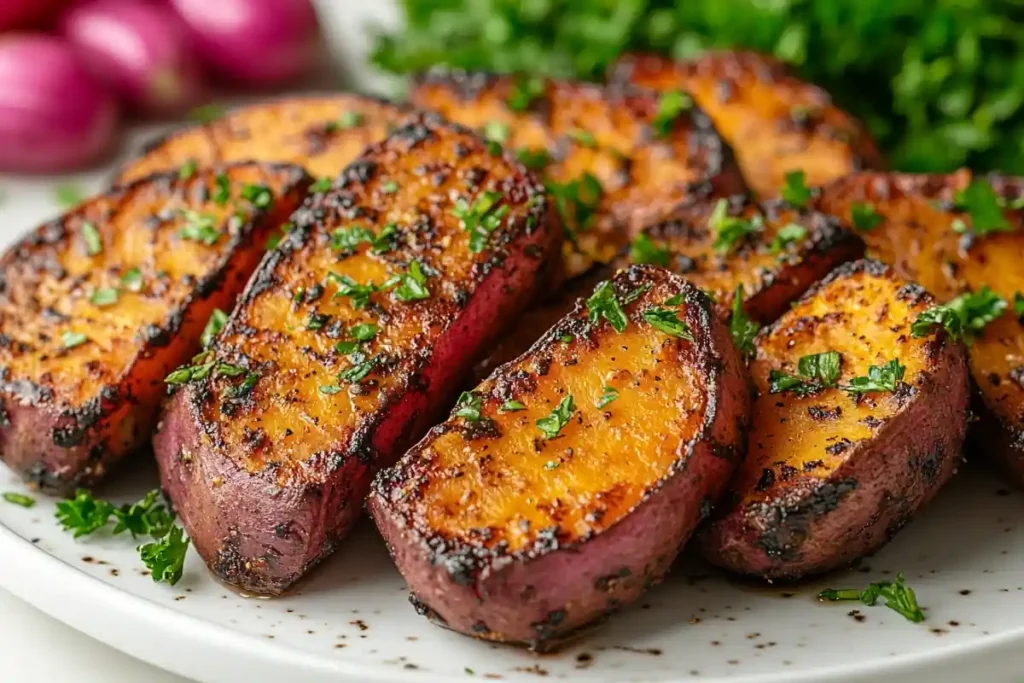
[
  {"x": 24, "y": 13},
  {"x": 253, "y": 41},
  {"x": 140, "y": 49},
  {"x": 53, "y": 114}
]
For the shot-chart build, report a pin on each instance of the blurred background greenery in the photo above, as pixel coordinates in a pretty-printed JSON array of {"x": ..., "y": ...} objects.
[{"x": 939, "y": 82}]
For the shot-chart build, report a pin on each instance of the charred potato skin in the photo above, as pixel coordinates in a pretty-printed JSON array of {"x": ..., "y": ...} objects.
[
  {"x": 917, "y": 239},
  {"x": 323, "y": 144},
  {"x": 776, "y": 122},
  {"x": 261, "y": 535},
  {"x": 543, "y": 595},
  {"x": 621, "y": 118},
  {"x": 58, "y": 447},
  {"x": 771, "y": 282},
  {"x": 800, "y": 526}
]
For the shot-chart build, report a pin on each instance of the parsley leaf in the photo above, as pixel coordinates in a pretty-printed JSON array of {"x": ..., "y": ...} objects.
[
  {"x": 730, "y": 231},
  {"x": 788, "y": 234},
  {"x": 963, "y": 317},
  {"x": 533, "y": 159},
  {"x": 496, "y": 131},
  {"x": 19, "y": 499},
  {"x": 222, "y": 193},
  {"x": 350, "y": 119},
  {"x": 148, "y": 517},
  {"x": 363, "y": 332},
  {"x": 668, "y": 322},
  {"x": 604, "y": 304},
  {"x": 897, "y": 595},
  {"x": 213, "y": 327},
  {"x": 105, "y": 296},
  {"x": 359, "y": 294},
  {"x": 742, "y": 328},
  {"x": 165, "y": 558},
  {"x": 389, "y": 187},
  {"x": 815, "y": 372},
  {"x": 1018, "y": 304},
  {"x": 70, "y": 340},
  {"x": 92, "y": 239},
  {"x": 879, "y": 378},
  {"x": 132, "y": 280},
  {"x": 187, "y": 169},
  {"x": 321, "y": 185},
  {"x": 468, "y": 406},
  {"x": 863, "y": 216},
  {"x": 608, "y": 395},
  {"x": 670, "y": 106},
  {"x": 199, "y": 227},
  {"x": 559, "y": 417},
  {"x": 644, "y": 250},
  {"x": 83, "y": 514},
  {"x": 511, "y": 406},
  {"x": 981, "y": 203},
  {"x": 411, "y": 284},
  {"x": 481, "y": 218},
  {"x": 258, "y": 195},
  {"x": 796, "y": 191},
  {"x": 577, "y": 200},
  {"x": 524, "y": 91}
]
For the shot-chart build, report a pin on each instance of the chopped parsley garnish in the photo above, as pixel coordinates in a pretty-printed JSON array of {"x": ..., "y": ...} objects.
[
  {"x": 68, "y": 196},
  {"x": 982, "y": 204},
  {"x": 222, "y": 193},
  {"x": 363, "y": 332},
  {"x": 321, "y": 185},
  {"x": 213, "y": 327},
  {"x": 524, "y": 91},
  {"x": 187, "y": 169},
  {"x": 258, "y": 195},
  {"x": 83, "y": 514},
  {"x": 897, "y": 595},
  {"x": 412, "y": 284},
  {"x": 105, "y": 296},
  {"x": 511, "y": 406},
  {"x": 559, "y": 417},
  {"x": 730, "y": 231},
  {"x": 481, "y": 218},
  {"x": 644, "y": 250},
  {"x": 582, "y": 137},
  {"x": 70, "y": 340},
  {"x": 604, "y": 304},
  {"x": 493, "y": 148},
  {"x": 670, "y": 106},
  {"x": 577, "y": 200},
  {"x": 350, "y": 119},
  {"x": 165, "y": 558},
  {"x": 390, "y": 187},
  {"x": 468, "y": 406},
  {"x": 815, "y": 372},
  {"x": 148, "y": 517},
  {"x": 206, "y": 113},
  {"x": 361, "y": 367},
  {"x": 19, "y": 499},
  {"x": 199, "y": 227},
  {"x": 132, "y": 280},
  {"x": 317, "y": 321},
  {"x": 864, "y": 217},
  {"x": 533, "y": 159},
  {"x": 347, "y": 239},
  {"x": 963, "y": 317},
  {"x": 201, "y": 368},
  {"x": 92, "y": 239},
  {"x": 240, "y": 391},
  {"x": 330, "y": 389},
  {"x": 787, "y": 235},
  {"x": 497, "y": 131},
  {"x": 1018, "y": 304},
  {"x": 608, "y": 394},
  {"x": 668, "y": 322},
  {"x": 742, "y": 328},
  {"x": 879, "y": 378},
  {"x": 796, "y": 191},
  {"x": 358, "y": 294}
]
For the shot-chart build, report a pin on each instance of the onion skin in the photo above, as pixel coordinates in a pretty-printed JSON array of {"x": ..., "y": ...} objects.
[
  {"x": 26, "y": 13},
  {"x": 141, "y": 50},
  {"x": 253, "y": 42},
  {"x": 54, "y": 116}
]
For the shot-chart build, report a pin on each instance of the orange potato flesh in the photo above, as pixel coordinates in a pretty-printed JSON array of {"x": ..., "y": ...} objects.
[
  {"x": 917, "y": 238},
  {"x": 136, "y": 330},
  {"x": 775, "y": 122},
  {"x": 591, "y": 129},
  {"x": 321, "y": 134}
]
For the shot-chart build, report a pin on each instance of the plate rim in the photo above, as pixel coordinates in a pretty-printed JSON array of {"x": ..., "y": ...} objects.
[{"x": 67, "y": 584}]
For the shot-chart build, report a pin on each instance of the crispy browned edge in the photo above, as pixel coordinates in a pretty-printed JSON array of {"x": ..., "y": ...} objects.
[
  {"x": 819, "y": 519},
  {"x": 628, "y": 558}
]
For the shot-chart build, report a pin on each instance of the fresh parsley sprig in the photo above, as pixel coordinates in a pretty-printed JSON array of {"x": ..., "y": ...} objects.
[
  {"x": 730, "y": 231},
  {"x": 604, "y": 304},
  {"x": 979, "y": 201},
  {"x": 815, "y": 372},
  {"x": 742, "y": 328},
  {"x": 552, "y": 424},
  {"x": 963, "y": 317},
  {"x": 644, "y": 250},
  {"x": 165, "y": 558},
  {"x": 795, "y": 190},
  {"x": 898, "y": 597}
]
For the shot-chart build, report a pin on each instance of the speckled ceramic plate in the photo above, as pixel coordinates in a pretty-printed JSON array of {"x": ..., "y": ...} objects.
[{"x": 351, "y": 622}]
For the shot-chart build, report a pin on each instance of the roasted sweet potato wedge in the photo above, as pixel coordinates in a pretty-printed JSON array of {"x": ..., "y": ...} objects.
[
  {"x": 322, "y": 134},
  {"x": 345, "y": 345},
  {"x": 566, "y": 483},
  {"x": 611, "y": 157},
  {"x": 775, "y": 122},
  {"x": 97, "y": 306},
  {"x": 957, "y": 234},
  {"x": 856, "y": 424},
  {"x": 774, "y": 250}
]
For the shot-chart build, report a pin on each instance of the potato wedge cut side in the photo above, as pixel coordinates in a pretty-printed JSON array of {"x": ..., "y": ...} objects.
[
  {"x": 775, "y": 122},
  {"x": 774, "y": 250},
  {"x": 610, "y": 160},
  {"x": 100, "y": 304},
  {"x": 837, "y": 465},
  {"x": 352, "y": 334},
  {"x": 567, "y": 482},
  {"x": 320, "y": 133},
  {"x": 925, "y": 226}
]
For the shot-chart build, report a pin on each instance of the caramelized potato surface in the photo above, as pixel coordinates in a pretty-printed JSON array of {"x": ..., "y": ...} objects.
[
  {"x": 774, "y": 250},
  {"x": 98, "y": 305},
  {"x": 610, "y": 159},
  {"x": 834, "y": 466},
  {"x": 775, "y": 122},
  {"x": 351, "y": 336},
  {"x": 321, "y": 134},
  {"x": 935, "y": 231},
  {"x": 567, "y": 482}
]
